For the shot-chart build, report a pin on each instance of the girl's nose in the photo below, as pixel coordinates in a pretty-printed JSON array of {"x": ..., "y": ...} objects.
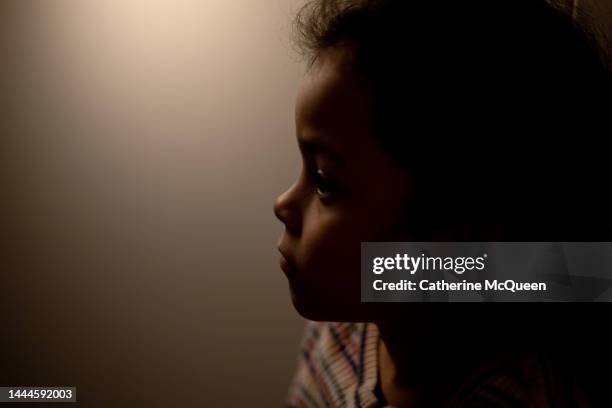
[{"x": 287, "y": 209}]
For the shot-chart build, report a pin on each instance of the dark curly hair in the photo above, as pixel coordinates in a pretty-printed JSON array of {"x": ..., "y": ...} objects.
[{"x": 498, "y": 108}]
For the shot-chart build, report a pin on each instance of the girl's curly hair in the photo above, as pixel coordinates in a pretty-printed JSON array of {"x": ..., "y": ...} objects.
[{"x": 496, "y": 107}]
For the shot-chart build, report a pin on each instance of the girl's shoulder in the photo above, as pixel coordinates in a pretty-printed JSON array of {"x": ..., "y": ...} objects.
[
  {"x": 338, "y": 362},
  {"x": 523, "y": 380}
]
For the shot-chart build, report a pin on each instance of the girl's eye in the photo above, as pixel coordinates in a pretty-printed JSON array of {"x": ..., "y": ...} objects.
[{"x": 324, "y": 186}]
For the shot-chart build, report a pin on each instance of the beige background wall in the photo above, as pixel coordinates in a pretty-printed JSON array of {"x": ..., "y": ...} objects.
[{"x": 142, "y": 145}]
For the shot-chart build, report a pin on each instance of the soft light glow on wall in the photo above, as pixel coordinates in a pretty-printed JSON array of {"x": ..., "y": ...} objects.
[{"x": 145, "y": 144}]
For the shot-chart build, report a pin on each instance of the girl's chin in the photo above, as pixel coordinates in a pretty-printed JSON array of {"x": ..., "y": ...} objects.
[{"x": 318, "y": 309}]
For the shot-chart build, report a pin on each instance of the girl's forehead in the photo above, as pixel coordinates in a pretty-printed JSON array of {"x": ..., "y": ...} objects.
[
  {"x": 332, "y": 99},
  {"x": 333, "y": 109}
]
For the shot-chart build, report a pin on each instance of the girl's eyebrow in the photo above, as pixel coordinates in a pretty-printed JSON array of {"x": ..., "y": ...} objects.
[{"x": 320, "y": 147}]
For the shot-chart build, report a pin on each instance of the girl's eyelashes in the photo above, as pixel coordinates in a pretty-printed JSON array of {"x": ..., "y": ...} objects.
[{"x": 325, "y": 187}]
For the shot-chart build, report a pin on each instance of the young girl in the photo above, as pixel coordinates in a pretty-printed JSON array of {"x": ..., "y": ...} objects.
[{"x": 441, "y": 121}]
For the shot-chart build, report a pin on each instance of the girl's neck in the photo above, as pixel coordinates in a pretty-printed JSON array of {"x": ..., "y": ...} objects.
[{"x": 418, "y": 368}]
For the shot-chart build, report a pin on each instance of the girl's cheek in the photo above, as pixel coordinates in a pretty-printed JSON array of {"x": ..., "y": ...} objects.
[{"x": 320, "y": 245}]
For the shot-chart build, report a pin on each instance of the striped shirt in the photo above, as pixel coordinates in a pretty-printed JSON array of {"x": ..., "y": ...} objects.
[{"x": 338, "y": 367}]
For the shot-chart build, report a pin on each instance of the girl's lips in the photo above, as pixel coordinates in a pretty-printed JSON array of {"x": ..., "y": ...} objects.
[{"x": 286, "y": 265}]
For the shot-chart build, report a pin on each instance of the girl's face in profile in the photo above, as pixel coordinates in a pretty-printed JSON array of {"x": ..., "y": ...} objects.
[{"x": 348, "y": 191}]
